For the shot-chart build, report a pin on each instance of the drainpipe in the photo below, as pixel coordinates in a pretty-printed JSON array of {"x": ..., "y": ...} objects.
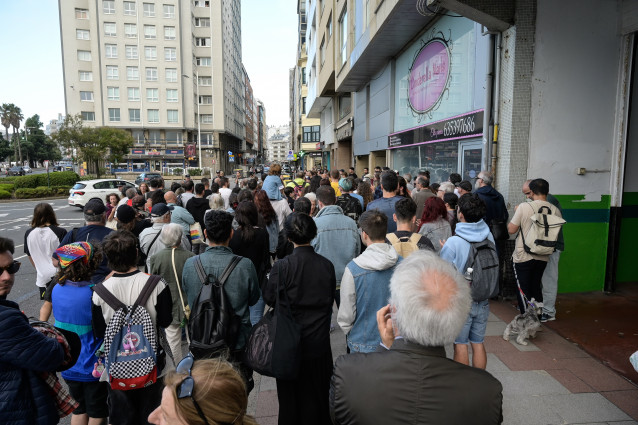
[
  {"x": 488, "y": 101},
  {"x": 497, "y": 102}
]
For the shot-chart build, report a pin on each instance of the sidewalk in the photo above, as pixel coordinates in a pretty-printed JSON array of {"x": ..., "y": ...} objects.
[{"x": 549, "y": 381}]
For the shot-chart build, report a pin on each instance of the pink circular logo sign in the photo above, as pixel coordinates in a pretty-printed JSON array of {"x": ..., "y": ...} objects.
[{"x": 429, "y": 75}]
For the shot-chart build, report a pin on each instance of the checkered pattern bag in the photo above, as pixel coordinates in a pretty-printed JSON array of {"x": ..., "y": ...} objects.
[{"x": 130, "y": 340}]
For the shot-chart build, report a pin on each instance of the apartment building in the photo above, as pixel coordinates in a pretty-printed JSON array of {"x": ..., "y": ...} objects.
[
  {"x": 169, "y": 72},
  {"x": 262, "y": 132}
]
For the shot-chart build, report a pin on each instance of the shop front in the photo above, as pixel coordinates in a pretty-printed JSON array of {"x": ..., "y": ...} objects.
[{"x": 439, "y": 102}]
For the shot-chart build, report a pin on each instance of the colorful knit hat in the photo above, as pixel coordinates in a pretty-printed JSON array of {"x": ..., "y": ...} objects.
[{"x": 74, "y": 251}]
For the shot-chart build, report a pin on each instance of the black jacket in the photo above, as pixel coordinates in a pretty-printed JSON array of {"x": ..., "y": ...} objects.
[
  {"x": 309, "y": 280},
  {"x": 412, "y": 384},
  {"x": 494, "y": 202}
]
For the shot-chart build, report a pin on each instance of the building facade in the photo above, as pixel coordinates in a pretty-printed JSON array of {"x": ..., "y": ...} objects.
[{"x": 169, "y": 72}]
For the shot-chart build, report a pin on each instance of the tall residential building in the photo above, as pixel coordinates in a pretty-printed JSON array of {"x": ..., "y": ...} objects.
[
  {"x": 165, "y": 71},
  {"x": 251, "y": 145},
  {"x": 279, "y": 143},
  {"x": 262, "y": 132}
]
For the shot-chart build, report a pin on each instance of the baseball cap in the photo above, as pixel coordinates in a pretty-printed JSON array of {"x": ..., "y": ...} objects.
[
  {"x": 160, "y": 210},
  {"x": 345, "y": 184},
  {"x": 125, "y": 214},
  {"x": 187, "y": 175},
  {"x": 465, "y": 185},
  {"x": 94, "y": 207}
]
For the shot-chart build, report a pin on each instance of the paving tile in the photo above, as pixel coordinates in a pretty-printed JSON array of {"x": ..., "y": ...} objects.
[
  {"x": 251, "y": 408},
  {"x": 495, "y": 328},
  {"x": 529, "y": 347},
  {"x": 526, "y": 410},
  {"x": 268, "y": 383},
  {"x": 623, "y": 423},
  {"x": 584, "y": 408},
  {"x": 531, "y": 383},
  {"x": 570, "y": 381},
  {"x": 496, "y": 344},
  {"x": 493, "y": 318},
  {"x": 267, "y": 404},
  {"x": 557, "y": 347},
  {"x": 267, "y": 420},
  {"x": 595, "y": 374},
  {"x": 532, "y": 360},
  {"x": 504, "y": 310},
  {"x": 625, "y": 400},
  {"x": 494, "y": 364}
]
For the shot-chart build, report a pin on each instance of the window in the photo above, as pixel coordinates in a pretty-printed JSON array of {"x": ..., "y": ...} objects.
[
  {"x": 151, "y": 74},
  {"x": 132, "y": 73},
  {"x": 311, "y": 134},
  {"x": 153, "y": 115},
  {"x": 202, "y": 22},
  {"x": 303, "y": 106},
  {"x": 150, "y": 32},
  {"x": 149, "y": 10},
  {"x": 203, "y": 61},
  {"x": 205, "y": 81},
  {"x": 205, "y": 100},
  {"x": 169, "y": 33},
  {"x": 134, "y": 115},
  {"x": 86, "y": 76},
  {"x": 169, "y": 11},
  {"x": 110, "y": 51},
  {"x": 113, "y": 93},
  {"x": 202, "y": 41},
  {"x": 110, "y": 29},
  {"x": 108, "y": 7},
  {"x": 171, "y": 95},
  {"x": 88, "y": 116},
  {"x": 133, "y": 94},
  {"x": 206, "y": 118},
  {"x": 303, "y": 75},
  {"x": 329, "y": 28},
  {"x": 82, "y": 34},
  {"x": 322, "y": 51},
  {"x": 171, "y": 75},
  {"x": 129, "y": 8},
  {"x": 130, "y": 30},
  {"x": 112, "y": 73},
  {"x": 170, "y": 54},
  {"x": 86, "y": 96},
  {"x": 114, "y": 114},
  {"x": 152, "y": 95},
  {"x": 344, "y": 106},
  {"x": 202, "y": 3},
  {"x": 81, "y": 14},
  {"x": 150, "y": 53},
  {"x": 343, "y": 33},
  {"x": 172, "y": 116},
  {"x": 131, "y": 52},
  {"x": 84, "y": 55}
]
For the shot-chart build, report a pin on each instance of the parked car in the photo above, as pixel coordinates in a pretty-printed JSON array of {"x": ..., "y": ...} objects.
[
  {"x": 85, "y": 190},
  {"x": 259, "y": 169},
  {"x": 146, "y": 177},
  {"x": 27, "y": 169},
  {"x": 16, "y": 171}
]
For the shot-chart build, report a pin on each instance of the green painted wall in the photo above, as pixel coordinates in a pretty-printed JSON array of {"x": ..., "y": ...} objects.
[
  {"x": 626, "y": 270},
  {"x": 582, "y": 264}
]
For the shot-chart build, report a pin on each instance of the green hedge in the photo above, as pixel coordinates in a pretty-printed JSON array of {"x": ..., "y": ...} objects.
[
  {"x": 41, "y": 191},
  {"x": 4, "y": 194},
  {"x": 64, "y": 178},
  {"x": 7, "y": 187}
]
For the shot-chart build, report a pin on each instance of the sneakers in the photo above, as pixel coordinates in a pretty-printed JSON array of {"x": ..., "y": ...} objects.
[{"x": 547, "y": 318}]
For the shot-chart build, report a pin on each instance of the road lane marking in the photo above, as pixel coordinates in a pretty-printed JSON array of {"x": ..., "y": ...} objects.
[{"x": 17, "y": 258}]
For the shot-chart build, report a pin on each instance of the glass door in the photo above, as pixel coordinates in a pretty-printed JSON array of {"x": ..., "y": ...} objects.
[{"x": 470, "y": 153}]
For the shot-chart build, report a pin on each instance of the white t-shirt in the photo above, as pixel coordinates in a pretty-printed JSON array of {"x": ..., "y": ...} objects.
[
  {"x": 282, "y": 209},
  {"x": 40, "y": 243},
  {"x": 225, "y": 194}
]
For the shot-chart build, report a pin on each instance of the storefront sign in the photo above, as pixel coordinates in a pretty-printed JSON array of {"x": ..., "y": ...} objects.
[
  {"x": 137, "y": 151},
  {"x": 429, "y": 75},
  {"x": 315, "y": 154},
  {"x": 154, "y": 152},
  {"x": 460, "y": 127},
  {"x": 174, "y": 152}
]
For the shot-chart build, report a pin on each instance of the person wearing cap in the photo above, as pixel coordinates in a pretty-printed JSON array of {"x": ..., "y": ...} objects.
[
  {"x": 72, "y": 309},
  {"x": 350, "y": 205},
  {"x": 149, "y": 238},
  {"x": 94, "y": 232},
  {"x": 463, "y": 188},
  {"x": 25, "y": 354}
]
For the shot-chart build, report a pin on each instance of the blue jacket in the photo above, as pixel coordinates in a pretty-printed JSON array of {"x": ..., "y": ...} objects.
[
  {"x": 337, "y": 238},
  {"x": 24, "y": 398},
  {"x": 387, "y": 207},
  {"x": 182, "y": 217},
  {"x": 456, "y": 249}
]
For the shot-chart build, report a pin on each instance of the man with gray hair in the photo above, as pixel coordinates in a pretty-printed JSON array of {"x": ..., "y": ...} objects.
[
  {"x": 496, "y": 211},
  {"x": 421, "y": 195},
  {"x": 160, "y": 216},
  {"x": 429, "y": 304}
]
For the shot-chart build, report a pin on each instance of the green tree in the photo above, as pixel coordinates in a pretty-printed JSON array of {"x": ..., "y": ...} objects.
[
  {"x": 37, "y": 145},
  {"x": 16, "y": 118},
  {"x": 11, "y": 115},
  {"x": 5, "y": 149},
  {"x": 94, "y": 145}
]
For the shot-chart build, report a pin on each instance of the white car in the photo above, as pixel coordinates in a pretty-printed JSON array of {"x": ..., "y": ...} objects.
[
  {"x": 27, "y": 169},
  {"x": 85, "y": 190}
]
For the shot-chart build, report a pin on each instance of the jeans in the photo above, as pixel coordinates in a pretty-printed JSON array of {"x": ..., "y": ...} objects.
[
  {"x": 198, "y": 248},
  {"x": 474, "y": 329},
  {"x": 550, "y": 284},
  {"x": 174, "y": 339},
  {"x": 529, "y": 275},
  {"x": 257, "y": 311}
]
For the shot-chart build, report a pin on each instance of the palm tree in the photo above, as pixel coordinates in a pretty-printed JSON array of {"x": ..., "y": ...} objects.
[
  {"x": 16, "y": 119},
  {"x": 5, "y": 117}
]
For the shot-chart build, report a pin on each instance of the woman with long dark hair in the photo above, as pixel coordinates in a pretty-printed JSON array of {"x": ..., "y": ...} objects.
[
  {"x": 434, "y": 224},
  {"x": 365, "y": 190},
  {"x": 269, "y": 216},
  {"x": 315, "y": 182},
  {"x": 40, "y": 242},
  {"x": 306, "y": 284},
  {"x": 403, "y": 188}
]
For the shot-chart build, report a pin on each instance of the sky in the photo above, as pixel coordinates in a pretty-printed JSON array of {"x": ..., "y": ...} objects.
[{"x": 31, "y": 70}]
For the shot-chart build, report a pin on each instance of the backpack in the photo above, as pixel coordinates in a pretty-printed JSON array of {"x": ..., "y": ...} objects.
[
  {"x": 483, "y": 276},
  {"x": 213, "y": 324},
  {"x": 130, "y": 340},
  {"x": 405, "y": 245},
  {"x": 542, "y": 235},
  {"x": 350, "y": 205}
]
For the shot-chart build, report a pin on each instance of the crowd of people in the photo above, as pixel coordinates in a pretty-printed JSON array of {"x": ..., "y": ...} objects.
[{"x": 390, "y": 251}]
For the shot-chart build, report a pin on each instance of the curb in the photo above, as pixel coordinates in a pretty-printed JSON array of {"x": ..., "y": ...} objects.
[{"x": 12, "y": 200}]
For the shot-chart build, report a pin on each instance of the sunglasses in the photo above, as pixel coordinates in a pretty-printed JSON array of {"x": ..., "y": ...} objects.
[
  {"x": 11, "y": 268},
  {"x": 186, "y": 387}
]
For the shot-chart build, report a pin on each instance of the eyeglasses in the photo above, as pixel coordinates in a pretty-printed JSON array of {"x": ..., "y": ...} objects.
[
  {"x": 186, "y": 387},
  {"x": 11, "y": 268}
]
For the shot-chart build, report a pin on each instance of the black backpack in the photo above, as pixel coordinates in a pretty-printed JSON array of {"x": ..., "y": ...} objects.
[
  {"x": 483, "y": 260},
  {"x": 213, "y": 324},
  {"x": 350, "y": 205}
]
